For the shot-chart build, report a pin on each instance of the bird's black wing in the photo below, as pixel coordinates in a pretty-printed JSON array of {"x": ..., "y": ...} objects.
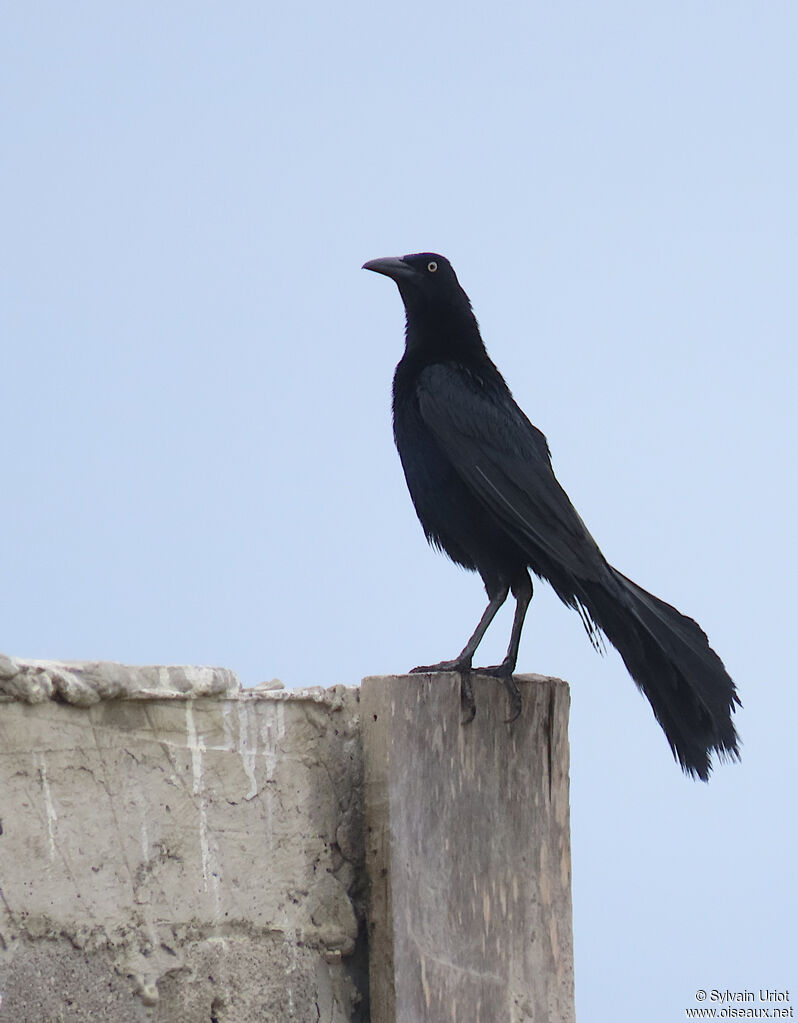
[{"x": 504, "y": 461}]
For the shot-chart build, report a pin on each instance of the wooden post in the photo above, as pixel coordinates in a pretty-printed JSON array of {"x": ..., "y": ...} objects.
[{"x": 468, "y": 852}]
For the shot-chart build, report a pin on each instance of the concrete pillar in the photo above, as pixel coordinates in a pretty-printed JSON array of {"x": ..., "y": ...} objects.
[
  {"x": 177, "y": 857},
  {"x": 468, "y": 852}
]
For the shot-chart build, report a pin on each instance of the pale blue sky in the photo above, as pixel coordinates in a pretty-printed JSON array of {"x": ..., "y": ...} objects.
[{"x": 198, "y": 459}]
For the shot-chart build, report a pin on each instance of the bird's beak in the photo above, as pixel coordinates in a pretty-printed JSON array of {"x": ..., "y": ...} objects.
[{"x": 392, "y": 267}]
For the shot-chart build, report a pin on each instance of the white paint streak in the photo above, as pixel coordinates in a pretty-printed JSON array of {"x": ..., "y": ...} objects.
[
  {"x": 248, "y": 755},
  {"x": 49, "y": 808},
  {"x": 271, "y": 733},
  {"x": 197, "y": 748},
  {"x": 144, "y": 831},
  {"x": 227, "y": 727}
]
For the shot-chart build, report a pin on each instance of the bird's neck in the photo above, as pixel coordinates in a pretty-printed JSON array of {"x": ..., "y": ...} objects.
[{"x": 451, "y": 333}]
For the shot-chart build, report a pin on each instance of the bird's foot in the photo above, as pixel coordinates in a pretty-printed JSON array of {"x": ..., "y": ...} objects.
[
  {"x": 463, "y": 668},
  {"x": 454, "y": 665},
  {"x": 504, "y": 672}
]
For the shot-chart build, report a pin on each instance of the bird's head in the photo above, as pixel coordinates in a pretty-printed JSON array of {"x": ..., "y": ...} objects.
[
  {"x": 440, "y": 322},
  {"x": 426, "y": 282}
]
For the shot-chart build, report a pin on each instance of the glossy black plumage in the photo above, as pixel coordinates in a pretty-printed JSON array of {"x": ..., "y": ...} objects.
[{"x": 481, "y": 480}]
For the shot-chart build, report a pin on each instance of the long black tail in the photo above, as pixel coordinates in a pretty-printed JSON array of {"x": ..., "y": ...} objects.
[{"x": 671, "y": 661}]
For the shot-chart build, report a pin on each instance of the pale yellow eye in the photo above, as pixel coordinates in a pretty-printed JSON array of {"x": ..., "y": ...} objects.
[{"x": 432, "y": 266}]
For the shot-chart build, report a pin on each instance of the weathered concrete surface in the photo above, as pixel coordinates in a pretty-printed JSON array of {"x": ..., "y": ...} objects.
[
  {"x": 176, "y": 858},
  {"x": 86, "y": 682},
  {"x": 468, "y": 852},
  {"x": 173, "y": 849}
]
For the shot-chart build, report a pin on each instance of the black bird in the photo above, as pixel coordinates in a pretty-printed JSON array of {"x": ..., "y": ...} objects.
[{"x": 481, "y": 480}]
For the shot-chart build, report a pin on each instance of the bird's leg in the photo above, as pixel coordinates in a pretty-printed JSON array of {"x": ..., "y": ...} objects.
[
  {"x": 462, "y": 662},
  {"x": 522, "y": 591}
]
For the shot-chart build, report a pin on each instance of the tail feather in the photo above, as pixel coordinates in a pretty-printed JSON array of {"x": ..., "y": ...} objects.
[{"x": 669, "y": 657}]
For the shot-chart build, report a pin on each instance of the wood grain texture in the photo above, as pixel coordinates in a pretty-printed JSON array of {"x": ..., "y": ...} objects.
[{"x": 468, "y": 852}]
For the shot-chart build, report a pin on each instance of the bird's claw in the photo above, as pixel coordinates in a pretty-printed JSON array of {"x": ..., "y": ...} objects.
[
  {"x": 505, "y": 673},
  {"x": 467, "y": 701},
  {"x": 463, "y": 669},
  {"x": 516, "y": 704}
]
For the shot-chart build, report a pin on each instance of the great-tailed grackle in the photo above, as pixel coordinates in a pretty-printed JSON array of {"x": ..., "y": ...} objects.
[{"x": 481, "y": 480}]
